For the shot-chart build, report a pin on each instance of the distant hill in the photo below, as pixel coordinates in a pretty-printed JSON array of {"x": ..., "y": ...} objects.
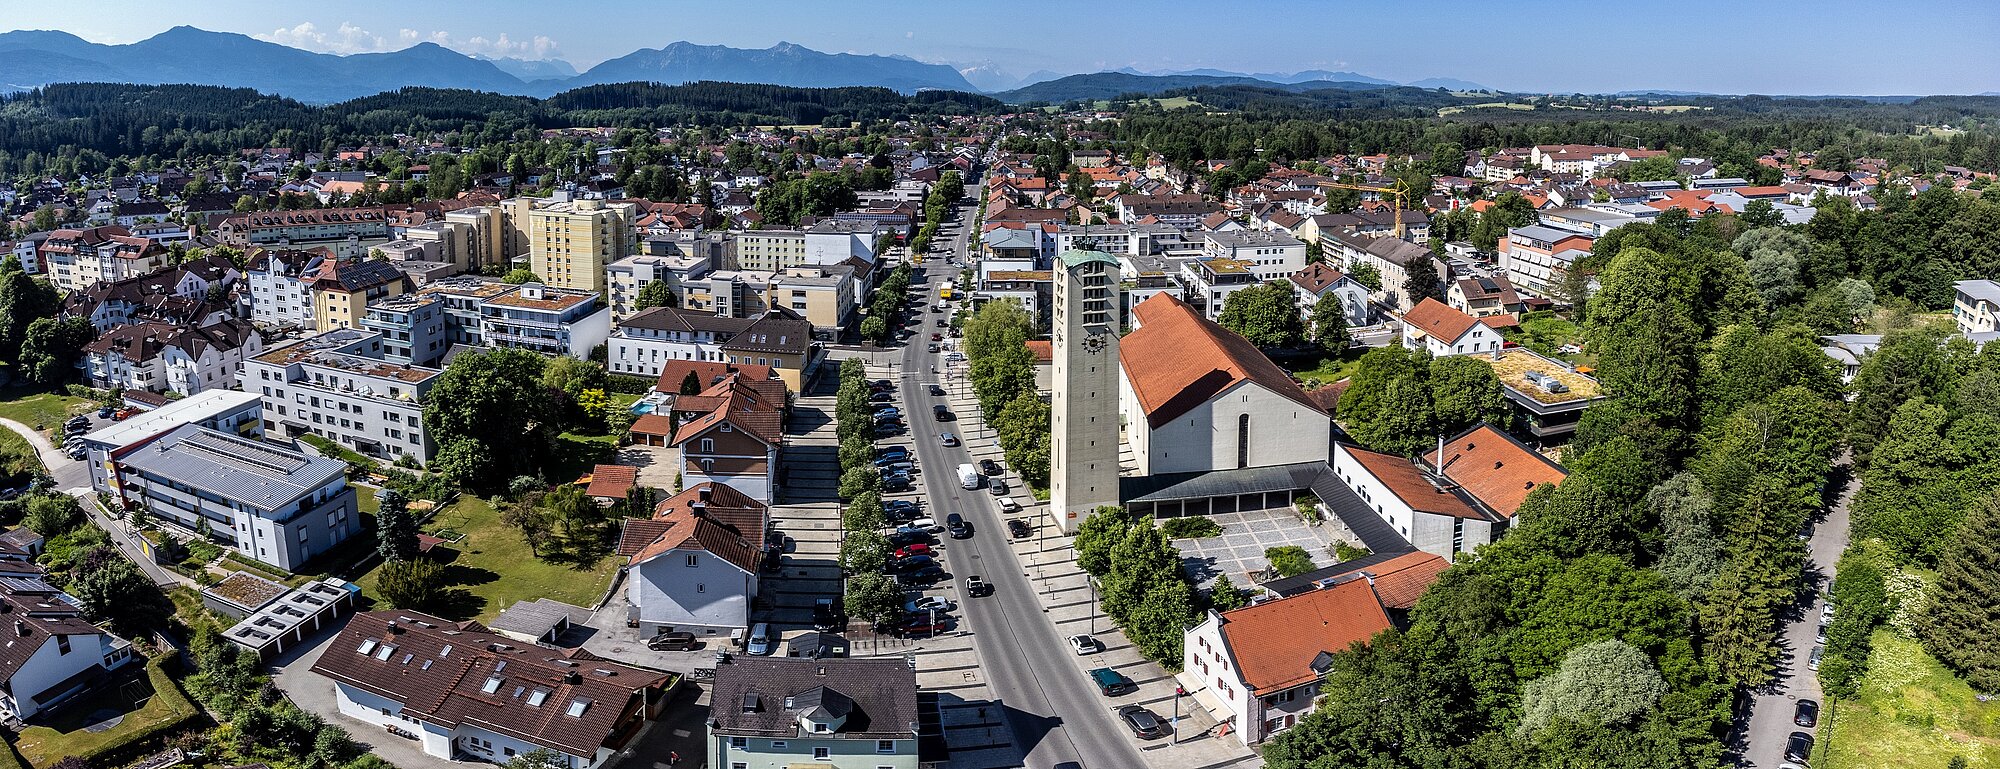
[
  {"x": 536, "y": 69},
  {"x": 1111, "y": 85},
  {"x": 1282, "y": 78},
  {"x": 1447, "y": 83},
  {"x": 781, "y": 64}
]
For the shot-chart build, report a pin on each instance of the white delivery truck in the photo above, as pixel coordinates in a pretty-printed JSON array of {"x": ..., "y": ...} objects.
[{"x": 968, "y": 476}]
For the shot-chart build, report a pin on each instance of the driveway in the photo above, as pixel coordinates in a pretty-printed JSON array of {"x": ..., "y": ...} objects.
[{"x": 1762, "y": 740}]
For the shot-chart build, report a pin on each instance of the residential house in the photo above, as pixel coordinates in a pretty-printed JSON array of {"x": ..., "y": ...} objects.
[
  {"x": 281, "y": 280},
  {"x": 779, "y": 339},
  {"x": 1537, "y": 257},
  {"x": 1976, "y": 306},
  {"x": 269, "y": 502},
  {"x": 627, "y": 277},
  {"x": 342, "y": 290},
  {"x": 1320, "y": 280},
  {"x": 693, "y": 566},
  {"x": 1440, "y": 330},
  {"x": 545, "y": 319},
  {"x": 52, "y": 654},
  {"x": 1482, "y": 297},
  {"x": 736, "y": 441},
  {"x": 1263, "y": 663},
  {"x": 460, "y": 690},
  {"x": 837, "y": 713},
  {"x": 1271, "y": 255},
  {"x": 1389, "y": 257},
  {"x": 161, "y": 357}
]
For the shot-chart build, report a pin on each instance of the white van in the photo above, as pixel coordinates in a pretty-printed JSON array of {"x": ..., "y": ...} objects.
[
  {"x": 760, "y": 640},
  {"x": 968, "y": 476}
]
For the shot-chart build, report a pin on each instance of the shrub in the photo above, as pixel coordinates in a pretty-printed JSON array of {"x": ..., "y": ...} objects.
[
  {"x": 1191, "y": 527},
  {"x": 1289, "y": 560}
]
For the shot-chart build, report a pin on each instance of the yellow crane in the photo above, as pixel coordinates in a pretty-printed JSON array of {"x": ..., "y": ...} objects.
[{"x": 1401, "y": 201}]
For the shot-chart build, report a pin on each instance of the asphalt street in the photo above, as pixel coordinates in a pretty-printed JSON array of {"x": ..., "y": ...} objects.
[
  {"x": 1056, "y": 715},
  {"x": 1762, "y": 739}
]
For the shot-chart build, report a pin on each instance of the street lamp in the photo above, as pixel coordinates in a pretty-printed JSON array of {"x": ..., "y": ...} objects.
[{"x": 1175, "y": 737}]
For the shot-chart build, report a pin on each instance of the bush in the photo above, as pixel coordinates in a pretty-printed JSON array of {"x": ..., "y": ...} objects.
[
  {"x": 1289, "y": 560},
  {"x": 410, "y": 584},
  {"x": 1191, "y": 527}
]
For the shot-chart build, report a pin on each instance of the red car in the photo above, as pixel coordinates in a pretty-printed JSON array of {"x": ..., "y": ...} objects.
[
  {"x": 937, "y": 337},
  {"x": 919, "y": 626},
  {"x": 916, "y": 549}
]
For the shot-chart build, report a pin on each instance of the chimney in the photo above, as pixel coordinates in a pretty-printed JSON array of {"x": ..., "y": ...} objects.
[
  {"x": 21, "y": 628},
  {"x": 572, "y": 678},
  {"x": 706, "y": 491},
  {"x": 1439, "y": 464}
]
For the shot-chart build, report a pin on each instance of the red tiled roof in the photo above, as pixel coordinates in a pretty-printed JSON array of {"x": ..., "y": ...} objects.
[
  {"x": 653, "y": 424},
  {"x": 708, "y": 516},
  {"x": 706, "y": 372},
  {"x": 1408, "y": 483},
  {"x": 1043, "y": 350},
  {"x": 1401, "y": 580},
  {"x": 612, "y": 481},
  {"x": 1274, "y": 642},
  {"x": 1178, "y": 360},
  {"x": 1439, "y": 320},
  {"x": 1496, "y": 469}
]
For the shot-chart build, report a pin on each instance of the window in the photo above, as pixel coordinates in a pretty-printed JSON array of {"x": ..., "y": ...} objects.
[
  {"x": 885, "y": 746},
  {"x": 1242, "y": 441},
  {"x": 739, "y": 742},
  {"x": 692, "y": 560},
  {"x": 821, "y": 753},
  {"x": 777, "y": 744},
  {"x": 62, "y": 644}
]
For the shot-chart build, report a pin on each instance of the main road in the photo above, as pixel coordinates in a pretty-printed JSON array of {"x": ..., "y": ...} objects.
[{"x": 1056, "y": 714}]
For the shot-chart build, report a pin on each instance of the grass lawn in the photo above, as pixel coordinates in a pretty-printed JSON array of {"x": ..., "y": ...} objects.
[
  {"x": 495, "y": 568},
  {"x": 1911, "y": 712},
  {"x": 45, "y": 743},
  {"x": 576, "y": 453},
  {"x": 1329, "y": 369},
  {"x": 17, "y": 458},
  {"x": 1545, "y": 332},
  {"x": 38, "y": 408}
]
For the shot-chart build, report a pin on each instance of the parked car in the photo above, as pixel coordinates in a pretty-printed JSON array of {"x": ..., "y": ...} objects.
[
  {"x": 888, "y": 431},
  {"x": 895, "y": 460},
  {"x": 1798, "y": 747},
  {"x": 947, "y": 440},
  {"x": 924, "y": 577},
  {"x": 929, "y": 603},
  {"x": 1819, "y": 634},
  {"x": 1008, "y": 506},
  {"x": 899, "y": 483},
  {"x": 989, "y": 467},
  {"x": 937, "y": 337},
  {"x": 906, "y": 537},
  {"x": 1812, "y": 662},
  {"x": 919, "y": 626},
  {"x": 1018, "y": 528},
  {"x": 881, "y": 385},
  {"x": 1112, "y": 683},
  {"x": 761, "y": 642},
  {"x": 829, "y": 615},
  {"x": 900, "y": 507},
  {"x": 977, "y": 588},
  {"x": 892, "y": 452},
  {"x": 887, "y": 412},
  {"x": 957, "y": 526},
  {"x": 912, "y": 563},
  {"x": 927, "y": 525},
  {"x": 881, "y": 396},
  {"x": 1143, "y": 723},
  {"x": 672, "y": 642},
  {"x": 997, "y": 486},
  {"x": 1806, "y": 713},
  {"x": 1826, "y": 614},
  {"x": 104, "y": 412},
  {"x": 1084, "y": 644}
]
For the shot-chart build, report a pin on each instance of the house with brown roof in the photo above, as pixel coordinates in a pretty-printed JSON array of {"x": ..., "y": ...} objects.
[
  {"x": 1433, "y": 327},
  {"x": 1262, "y": 663},
  {"x": 731, "y": 434},
  {"x": 461, "y": 690},
  {"x": 693, "y": 566},
  {"x": 162, "y": 357},
  {"x": 1320, "y": 280},
  {"x": 1452, "y": 501},
  {"x": 1198, "y": 398},
  {"x": 827, "y": 713},
  {"x": 1482, "y": 297},
  {"x": 51, "y": 653}
]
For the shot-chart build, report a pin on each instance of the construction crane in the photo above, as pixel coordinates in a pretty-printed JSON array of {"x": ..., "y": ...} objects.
[{"x": 1401, "y": 202}]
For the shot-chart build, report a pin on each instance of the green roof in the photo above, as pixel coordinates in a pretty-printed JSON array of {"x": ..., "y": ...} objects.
[{"x": 1074, "y": 258}]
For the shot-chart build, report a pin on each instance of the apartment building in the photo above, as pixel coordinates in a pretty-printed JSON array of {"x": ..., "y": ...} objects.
[
  {"x": 462, "y": 297},
  {"x": 644, "y": 343},
  {"x": 626, "y": 277},
  {"x": 570, "y": 242},
  {"x": 271, "y": 228},
  {"x": 830, "y": 241},
  {"x": 839, "y": 713},
  {"x": 229, "y": 411},
  {"x": 163, "y": 357},
  {"x": 1271, "y": 255},
  {"x": 342, "y": 291},
  {"x": 280, "y": 282},
  {"x": 468, "y": 238},
  {"x": 175, "y": 295},
  {"x": 1209, "y": 282},
  {"x": 827, "y": 296},
  {"x": 412, "y": 328},
  {"x": 1536, "y": 257},
  {"x": 547, "y": 320},
  {"x": 1976, "y": 306},
  {"x": 78, "y": 258},
  {"x": 337, "y": 385},
  {"x": 271, "y": 503},
  {"x": 729, "y": 293}
]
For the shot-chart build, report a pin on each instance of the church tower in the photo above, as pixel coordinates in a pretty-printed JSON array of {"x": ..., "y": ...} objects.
[{"x": 1083, "y": 472}]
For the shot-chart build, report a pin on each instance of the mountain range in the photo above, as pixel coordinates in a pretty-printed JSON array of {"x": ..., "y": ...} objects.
[{"x": 32, "y": 58}]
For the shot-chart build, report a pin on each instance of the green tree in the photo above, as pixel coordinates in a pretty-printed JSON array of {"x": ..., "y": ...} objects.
[
  {"x": 1023, "y": 429},
  {"x": 1691, "y": 554},
  {"x": 1421, "y": 281},
  {"x": 1266, "y": 314},
  {"x": 655, "y": 294},
  {"x": 539, "y": 758},
  {"x": 1366, "y": 275},
  {"x": 528, "y": 518},
  {"x": 1097, "y": 536},
  {"x": 1224, "y": 595},
  {"x": 112, "y": 588},
  {"x": 486, "y": 400},
  {"x": 856, "y": 481},
  {"x": 1465, "y": 392},
  {"x": 690, "y": 384},
  {"x": 53, "y": 515},
  {"x": 1964, "y": 622},
  {"x": 1643, "y": 332},
  {"x": 1329, "y": 324},
  {"x": 395, "y": 530},
  {"x": 1289, "y": 560},
  {"x": 572, "y": 376},
  {"x": 871, "y": 596},
  {"x": 51, "y": 346},
  {"x": 864, "y": 552},
  {"x": 1604, "y": 682},
  {"x": 1909, "y": 364},
  {"x": 22, "y": 300},
  {"x": 1654, "y": 169},
  {"x": 521, "y": 275},
  {"x": 411, "y": 584}
]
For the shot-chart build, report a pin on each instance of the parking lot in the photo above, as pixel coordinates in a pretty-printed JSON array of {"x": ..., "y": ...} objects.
[{"x": 1239, "y": 550}]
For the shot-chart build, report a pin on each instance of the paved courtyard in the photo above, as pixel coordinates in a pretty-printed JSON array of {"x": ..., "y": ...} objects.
[{"x": 1239, "y": 550}]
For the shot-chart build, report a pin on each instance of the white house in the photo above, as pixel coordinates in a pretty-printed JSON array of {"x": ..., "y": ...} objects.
[
  {"x": 160, "y": 357},
  {"x": 1196, "y": 397},
  {"x": 1262, "y": 663},
  {"x": 693, "y": 565},
  {"x": 1442, "y": 331},
  {"x": 1320, "y": 280},
  {"x": 1465, "y": 495},
  {"x": 459, "y": 690},
  {"x": 1271, "y": 255},
  {"x": 51, "y": 653}
]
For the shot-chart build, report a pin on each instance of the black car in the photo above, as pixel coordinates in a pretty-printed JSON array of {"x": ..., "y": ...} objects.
[
  {"x": 937, "y": 391},
  {"x": 903, "y": 537},
  {"x": 1798, "y": 747},
  {"x": 1018, "y": 528},
  {"x": 957, "y": 526},
  {"x": 881, "y": 385},
  {"x": 943, "y": 413},
  {"x": 912, "y": 563},
  {"x": 898, "y": 483},
  {"x": 929, "y": 575},
  {"x": 998, "y": 486},
  {"x": 1142, "y": 722},
  {"x": 1806, "y": 713},
  {"x": 989, "y": 467}
]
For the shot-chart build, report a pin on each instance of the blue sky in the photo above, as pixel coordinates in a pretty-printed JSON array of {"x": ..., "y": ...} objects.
[{"x": 1748, "y": 46}]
